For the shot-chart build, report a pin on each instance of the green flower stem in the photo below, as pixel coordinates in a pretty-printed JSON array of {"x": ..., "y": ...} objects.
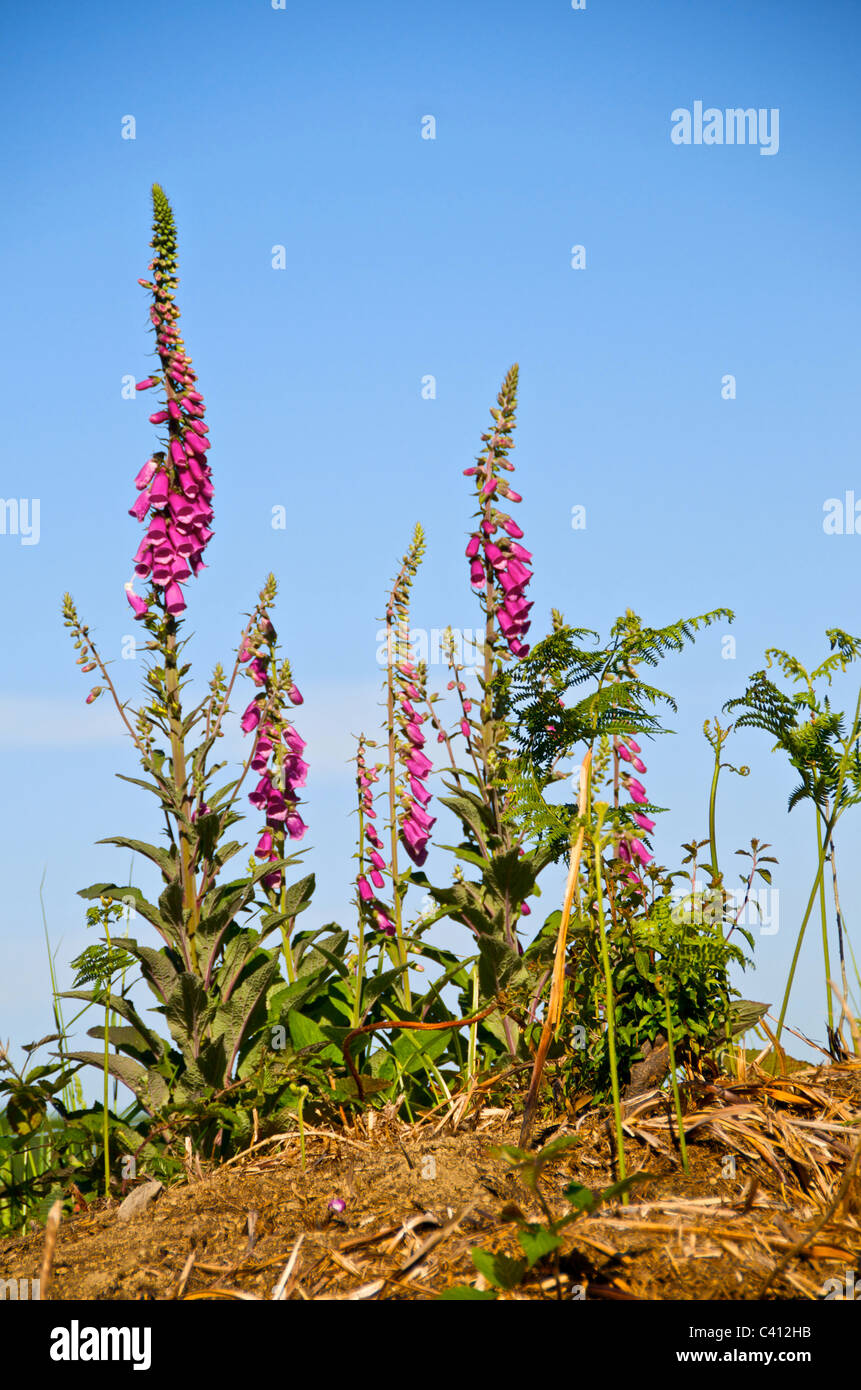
[
  {"x": 180, "y": 779},
  {"x": 286, "y": 927},
  {"x": 105, "y": 1131},
  {"x": 302, "y": 1093},
  {"x": 356, "y": 1010},
  {"x": 675, "y": 1082},
  {"x": 601, "y": 809},
  {"x": 825, "y": 838},
  {"x": 473, "y": 1028},
  {"x": 712, "y": 812},
  {"x": 824, "y": 916},
  {"x": 399, "y": 952}
]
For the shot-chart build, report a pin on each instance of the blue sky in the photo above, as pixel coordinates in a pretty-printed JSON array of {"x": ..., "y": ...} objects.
[{"x": 406, "y": 257}]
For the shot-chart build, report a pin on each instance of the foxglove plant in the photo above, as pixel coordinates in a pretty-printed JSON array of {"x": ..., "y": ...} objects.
[
  {"x": 493, "y": 906},
  {"x": 175, "y": 484},
  {"x": 408, "y": 766},
  {"x": 370, "y": 907},
  {"x": 277, "y": 756},
  {"x": 212, "y": 976},
  {"x": 630, "y": 847}
]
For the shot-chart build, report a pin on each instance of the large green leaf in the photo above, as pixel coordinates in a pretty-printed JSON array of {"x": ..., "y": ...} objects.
[
  {"x": 234, "y": 1018},
  {"x": 537, "y": 1242},
  {"x": 468, "y": 813},
  {"x": 304, "y": 1032},
  {"x": 127, "y": 1039},
  {"x": 499, "y": 967},
  {"x": 126, "y": 1010},
  {"x": 160, "y": 969},
  {"x": 295, "y": 996},
  {"x": 500, "y": 1270},
  {"x": 312, "y": 958},
  {"x": 126, "y": 1069},
  {"x": 188, "y": 1013},
  {"x": 166, "y": 859}
]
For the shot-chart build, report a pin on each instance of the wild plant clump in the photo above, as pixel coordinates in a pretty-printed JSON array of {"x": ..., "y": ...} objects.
[{"x": 265, "y": 1020}]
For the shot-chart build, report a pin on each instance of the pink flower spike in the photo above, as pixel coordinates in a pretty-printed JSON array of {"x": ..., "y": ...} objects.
[
  {"x": 293, "y": 740},
  {"x": 174, "y": 602},
  {"x": 421, "y": 818},
  {"x": 418, "y": 764},
  {"x": 638, "y": 792},
  {"x": 384, "y": 924},
  {"x": 639, "y": 851},
  {"x": 145, "y": 474},
  {"x": 420, "y": 792},
  {"x": 251, "y": 718},
  {"x": 136, "y": 602}
]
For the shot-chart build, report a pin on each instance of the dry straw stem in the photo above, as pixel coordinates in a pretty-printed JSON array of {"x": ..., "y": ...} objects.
[
  {"x": 823, "y": 1221},
  {"x": 52, "y": 1226},
  {"x": 554, "y": 1005}
]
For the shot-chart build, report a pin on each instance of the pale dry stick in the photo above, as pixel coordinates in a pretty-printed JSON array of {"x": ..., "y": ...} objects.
[
  {"x": 554, "y": 1004},
  {"x": 186, "y": 1274},
  {"x": 838, "y": 1197},
  {"x": 279, "y": 1293},
  {"x": 52, "y": 1226},
  {"x": 434, "y": 1240}
]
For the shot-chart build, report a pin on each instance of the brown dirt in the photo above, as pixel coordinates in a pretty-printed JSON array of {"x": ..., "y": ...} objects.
[{"x": 418, "y": 1197}]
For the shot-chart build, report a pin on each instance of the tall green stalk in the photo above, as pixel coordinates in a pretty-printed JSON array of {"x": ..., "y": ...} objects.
[
  {"x": 825, "y": 952},
  {"x": 824, "y": 839},
  {"x": 675, "y": 1081},
  {"x": 601, "y": 808}
]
